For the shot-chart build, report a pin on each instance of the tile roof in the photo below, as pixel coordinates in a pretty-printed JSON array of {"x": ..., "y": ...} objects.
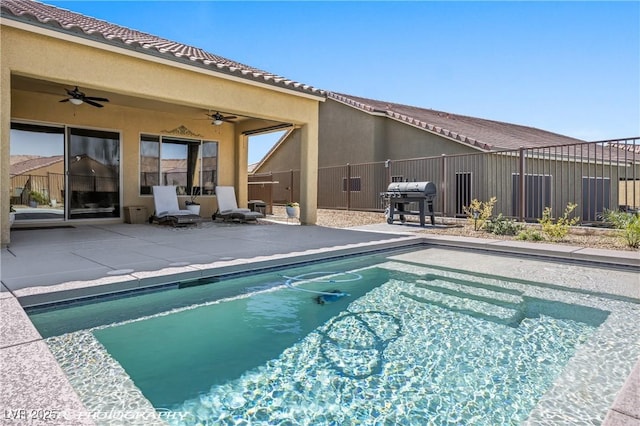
[
  {"x": 626, "y": 145},
  {"x": 484, "y": 134},
  {"x": 51, "y": 17},
  {"x": 34, "y": 163}
]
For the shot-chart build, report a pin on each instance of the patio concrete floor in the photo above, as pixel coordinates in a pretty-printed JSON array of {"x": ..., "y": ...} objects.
[{"x": 60, "y": 263}]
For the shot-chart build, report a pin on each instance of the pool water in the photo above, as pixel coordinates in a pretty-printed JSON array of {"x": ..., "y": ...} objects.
[{"x": 402, "y": 344}]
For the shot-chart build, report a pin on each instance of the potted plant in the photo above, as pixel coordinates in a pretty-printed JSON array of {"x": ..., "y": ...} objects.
[
  {"x": 293, "y": 209},
  {"x": 36, "y": 198},
  {"x": 192, "y": 205}
]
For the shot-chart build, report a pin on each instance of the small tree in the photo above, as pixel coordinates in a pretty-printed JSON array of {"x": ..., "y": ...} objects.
[
  {"x": 478, "y": 212},
  {"x": 558, "y": 229}
]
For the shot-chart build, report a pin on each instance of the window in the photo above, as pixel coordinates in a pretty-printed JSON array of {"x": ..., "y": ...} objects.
[
  {"x": 149, "y": 163},
  {"x": 354, "y": 185},
  {"x": 190, "y": 165}
]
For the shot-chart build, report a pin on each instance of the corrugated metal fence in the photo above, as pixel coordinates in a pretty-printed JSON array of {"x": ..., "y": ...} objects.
[{"x": 597, "y": 176}]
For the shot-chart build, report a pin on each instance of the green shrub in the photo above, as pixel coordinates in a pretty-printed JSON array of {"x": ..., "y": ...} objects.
[
  {"x": 529, "y": 234},
  {"x": 558, "y": 229},
  {"x": 628, "y": 223},
  {"x": 483, "y": 209},
  {"x": 503, "y": 226},
  {"x": 38, "y": 197}
]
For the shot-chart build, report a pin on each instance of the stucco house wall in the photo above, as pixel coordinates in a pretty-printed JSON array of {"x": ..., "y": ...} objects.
[
  {"x": 349, "y": 135},
  {"x": 286, "y": 155},
  {"x": 149, "y": 95},
  {"x": 405, "y": 141}
]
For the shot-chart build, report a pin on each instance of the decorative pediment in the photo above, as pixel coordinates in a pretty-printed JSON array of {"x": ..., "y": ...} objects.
[{"x": 181, "y": 130}]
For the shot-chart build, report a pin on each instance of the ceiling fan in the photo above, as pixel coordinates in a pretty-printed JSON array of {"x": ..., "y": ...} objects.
[
  {"x": 218, "y": 119},
  {"x": 77, "y": 97}
]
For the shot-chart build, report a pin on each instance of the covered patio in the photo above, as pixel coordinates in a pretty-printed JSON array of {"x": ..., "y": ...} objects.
[{"x": 122, "y": 111}]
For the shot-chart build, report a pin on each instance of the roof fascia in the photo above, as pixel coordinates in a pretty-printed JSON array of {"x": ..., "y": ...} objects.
[
  {"x": 373, "y": 111},
  {"x": 149, "y": 55},
  {"x": 436, "y": 133}
]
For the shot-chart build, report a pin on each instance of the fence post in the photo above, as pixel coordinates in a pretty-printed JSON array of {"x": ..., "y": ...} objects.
[
  {"x": 387, "y": 165},
  {"x": 521, "y": 184},
  {"x": 272, "y": 187},
  {"x": 443, "y": 179},
  {"x": 348, "y": 186},
  {"x": 291, "y": 185}
]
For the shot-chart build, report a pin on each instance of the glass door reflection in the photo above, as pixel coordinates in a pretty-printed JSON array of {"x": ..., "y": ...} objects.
[
  {"x": 94, "y": 174},
  {"x": 36, "y": 184}
]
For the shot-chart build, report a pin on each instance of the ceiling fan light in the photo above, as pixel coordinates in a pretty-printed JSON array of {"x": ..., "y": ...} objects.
[
  {"x": 75, "y": 101},
  {"x": 217, "y": 122}
]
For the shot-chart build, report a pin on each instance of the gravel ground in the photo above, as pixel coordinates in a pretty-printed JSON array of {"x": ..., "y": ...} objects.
[{"x": 578, "y": 236}]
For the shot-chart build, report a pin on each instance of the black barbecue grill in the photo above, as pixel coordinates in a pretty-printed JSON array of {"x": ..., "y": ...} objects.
[{"x": 401, "y": 194}]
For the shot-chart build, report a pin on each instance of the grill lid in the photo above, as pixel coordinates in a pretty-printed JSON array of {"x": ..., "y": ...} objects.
[{"x": 426, "y": 189}]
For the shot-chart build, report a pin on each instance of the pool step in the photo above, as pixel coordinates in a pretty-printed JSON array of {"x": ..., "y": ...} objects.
[
  {"x": 472, "y": 290},
  {"x": 496, "y": 306}
]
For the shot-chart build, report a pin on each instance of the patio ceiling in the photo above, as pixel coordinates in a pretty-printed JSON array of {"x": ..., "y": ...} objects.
[{"x": 33, "y": 85}]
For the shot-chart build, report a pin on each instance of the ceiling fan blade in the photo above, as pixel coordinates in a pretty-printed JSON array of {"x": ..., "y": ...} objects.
[
  {"x": 93, "y": 98},
  {"x": 65, "y": 100},
  {"x": 231, "y": 117},
  {"x": 95, "y": 104}
]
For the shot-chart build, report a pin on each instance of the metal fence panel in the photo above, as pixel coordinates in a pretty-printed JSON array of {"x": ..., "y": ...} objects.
[
  {"x": 330, "y": 185},
  {"x": 597, "y": 176}
]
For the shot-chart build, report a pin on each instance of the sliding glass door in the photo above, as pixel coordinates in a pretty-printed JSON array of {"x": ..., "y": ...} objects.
[
  {"x": 93, "y": 163},
  {"x": 36, "y": 182},
  {"x": 54, "y": 180}
]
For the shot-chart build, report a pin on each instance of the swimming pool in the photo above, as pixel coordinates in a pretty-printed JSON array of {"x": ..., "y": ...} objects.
[{"x": 409, "y": 344}]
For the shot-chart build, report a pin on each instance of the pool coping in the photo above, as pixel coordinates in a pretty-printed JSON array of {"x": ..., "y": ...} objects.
[
  {"x": 33, "y": 296},
  {"x": 128, "y": 281},
  {"x": 33, "y": 371}
]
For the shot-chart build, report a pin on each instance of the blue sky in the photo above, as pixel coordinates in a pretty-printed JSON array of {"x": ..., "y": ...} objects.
[{"x": 568, "y": 67}]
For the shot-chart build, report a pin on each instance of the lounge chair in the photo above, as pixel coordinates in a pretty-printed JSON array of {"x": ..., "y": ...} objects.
[
  {"x": 228, "y": 207},
  {"x": 167, "y": 210}
]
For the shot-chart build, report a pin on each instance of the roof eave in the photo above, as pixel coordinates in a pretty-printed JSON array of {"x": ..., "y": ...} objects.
[
  {"x": 96, "y": 40},
  {"x": 444, "y": 133}
]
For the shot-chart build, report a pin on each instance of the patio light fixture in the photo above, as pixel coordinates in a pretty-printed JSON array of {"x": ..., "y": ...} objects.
[{"x": 218, "y": 119}]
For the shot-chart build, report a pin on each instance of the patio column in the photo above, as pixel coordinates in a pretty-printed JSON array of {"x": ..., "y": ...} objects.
[
  {"x": 309, "y": 174},
  {"x": 5, "y": 129},
  {"x": 242, "y": 178}
]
